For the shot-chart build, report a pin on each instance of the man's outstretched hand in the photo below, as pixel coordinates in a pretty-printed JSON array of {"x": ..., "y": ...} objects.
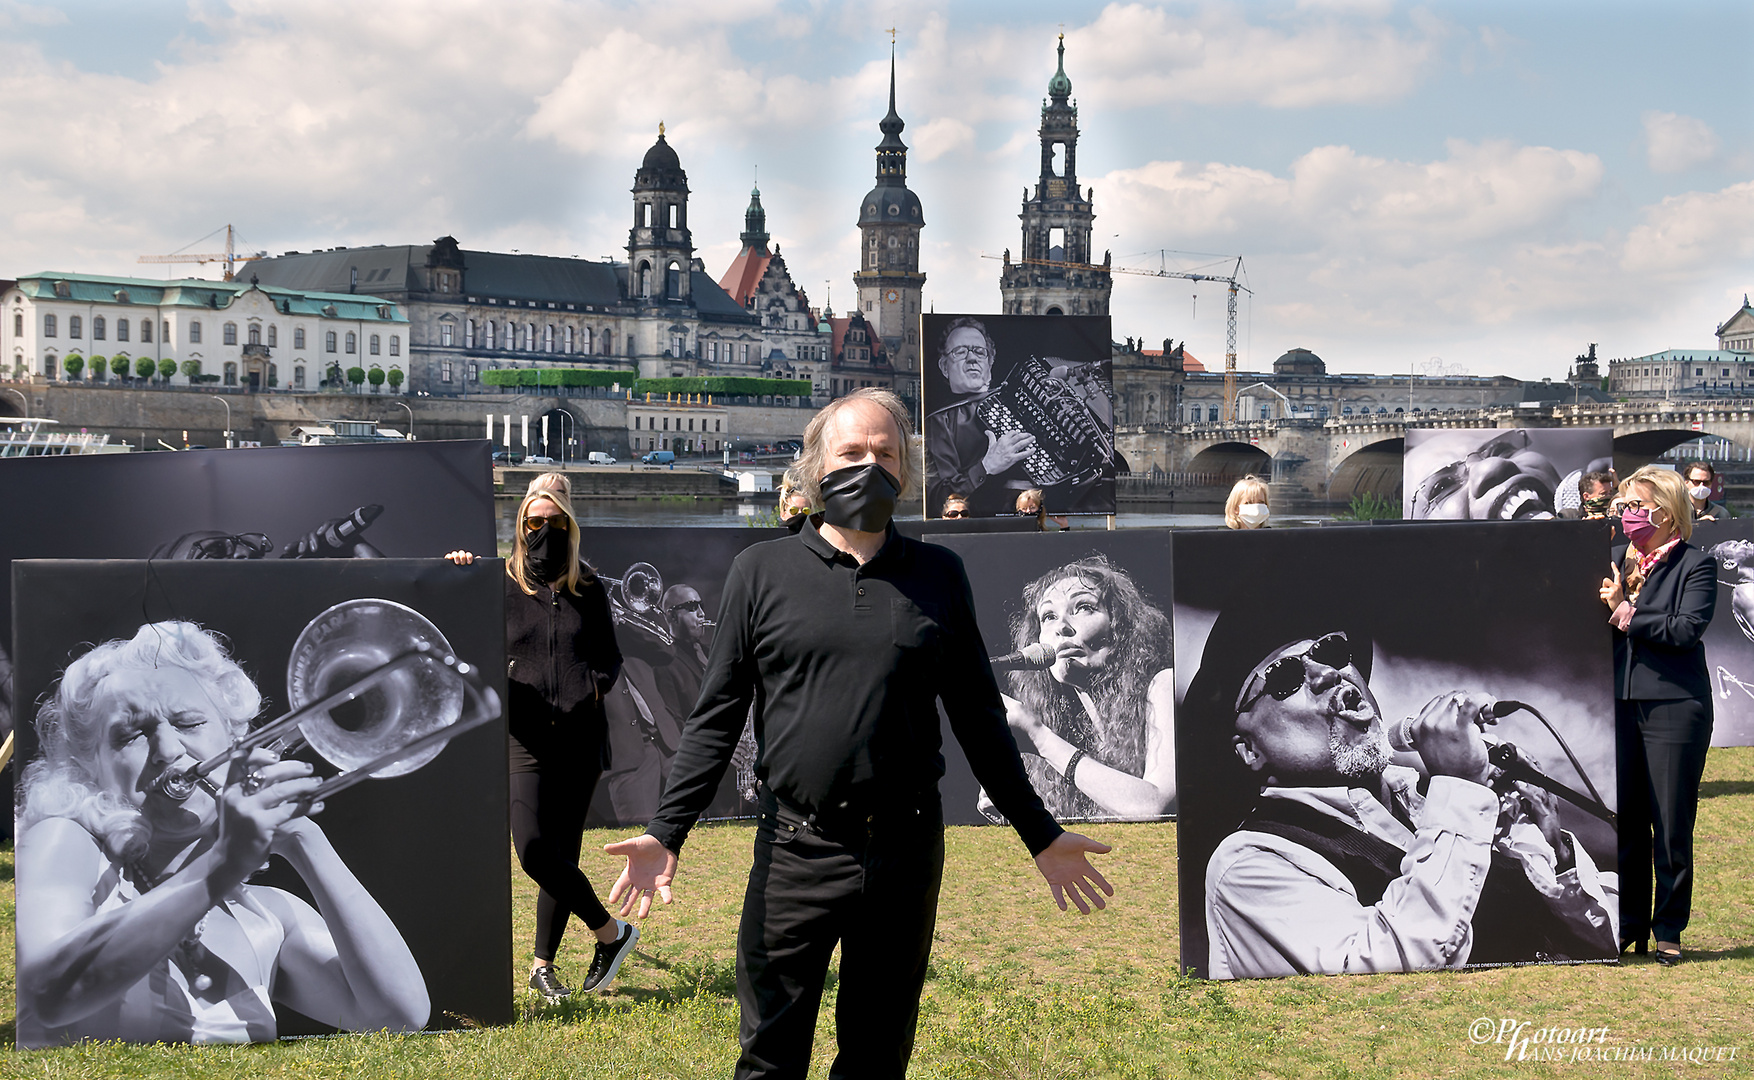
[
  {"x": 1068, "y": 871},
  {"x": 650, "y": 868}
]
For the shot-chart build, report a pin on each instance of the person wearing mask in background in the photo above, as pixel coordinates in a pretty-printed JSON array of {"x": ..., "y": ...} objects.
[
  {"x": 1030, "y": 504},
  {"x": 1660, "y": 600},
  {"x": 561, "y": 660},
  {"x": 1595, "y": 492},
  {"x": 844, "y": 639},
  {"x": 1246, "y": 508},
  {"x": 794, "y": 504},
  {"x": 1700, "y": 480}
]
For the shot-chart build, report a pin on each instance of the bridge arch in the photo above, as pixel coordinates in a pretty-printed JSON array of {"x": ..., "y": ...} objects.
[
  {"x": 1636, "y": 448},
  {"x": 1232, "y": 461},
  {"x": 1372, "y": 468}
]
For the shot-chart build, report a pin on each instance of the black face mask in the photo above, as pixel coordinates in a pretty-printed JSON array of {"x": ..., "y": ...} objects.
[
  {"x": 545, "y": 553},
  {"x": 859, "y": 497}
]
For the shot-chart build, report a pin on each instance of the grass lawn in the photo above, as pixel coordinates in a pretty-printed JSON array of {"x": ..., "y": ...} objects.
[{"x": 1019, "y": 989}]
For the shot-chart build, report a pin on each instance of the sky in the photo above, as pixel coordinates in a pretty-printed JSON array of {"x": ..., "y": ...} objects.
[{"x": 1453, "y": 187}]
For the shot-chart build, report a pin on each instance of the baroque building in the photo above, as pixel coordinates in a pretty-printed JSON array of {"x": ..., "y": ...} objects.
[
  {"x": 1726, "y": 371},
  {"x": 469, "y": 311},
  {"x": 889, "y": 282},
  {"x": 1055, "y": 275},
  {"x": 790, "y": 340}
]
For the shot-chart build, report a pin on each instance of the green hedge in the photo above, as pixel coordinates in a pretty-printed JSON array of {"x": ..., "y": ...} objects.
[
  {"x": 557, "y": 377},
  {"x": 725, "y": 385}
]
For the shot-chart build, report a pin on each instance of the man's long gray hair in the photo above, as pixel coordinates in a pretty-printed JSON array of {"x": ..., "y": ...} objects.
[{"x": 805, "y": 475}]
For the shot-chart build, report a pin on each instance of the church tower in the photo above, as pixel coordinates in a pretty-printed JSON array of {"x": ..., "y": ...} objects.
[
  {"x": 1055, "y": 275},
  {"x": 888, "y": 280},
  {"x": 754, "y": 235},
  {"x": 660, "y": 249}
]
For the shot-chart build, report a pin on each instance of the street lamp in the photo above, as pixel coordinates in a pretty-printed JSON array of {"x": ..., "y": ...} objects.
[
  {"x": 22, "y": 398},
  {"x": 566, "y": 417},
  {"x": 227, "y": 405},
  {"x": 410, "y": 413}
]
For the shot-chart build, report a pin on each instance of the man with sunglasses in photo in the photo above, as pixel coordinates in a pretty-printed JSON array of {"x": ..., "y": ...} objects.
[{"x": 1345, "y": 865}]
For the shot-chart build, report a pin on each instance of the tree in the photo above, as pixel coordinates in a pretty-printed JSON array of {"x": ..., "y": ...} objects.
[
  {"x": 395, "y": 378},
  {"x": 356, "y": 375},
  {"x": 74, "y": 365},
  {"x": 376, "y": 377},
  {"x": 191, "y": 369},
  {"x": 166, "y": 368},
  {"x": 99, "y": 365},
  {"x": 144, "y": 367}
]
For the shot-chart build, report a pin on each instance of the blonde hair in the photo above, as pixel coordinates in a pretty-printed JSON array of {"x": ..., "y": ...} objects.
[
  {"x": 806, "y": 473},
  {"x": 557, "y": 489},
  {"x": 1250, "y": 489},
  {"x": 63, "y": 782},
  {"x": 1668, "y": 491}
]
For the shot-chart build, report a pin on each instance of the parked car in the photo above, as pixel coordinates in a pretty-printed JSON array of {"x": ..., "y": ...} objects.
[
  {"x": 507, "y": 457},
  {"x": 658, "y": 457},
  {"x": 598, "y": 457},
  {"x": 539, "y": 459}
]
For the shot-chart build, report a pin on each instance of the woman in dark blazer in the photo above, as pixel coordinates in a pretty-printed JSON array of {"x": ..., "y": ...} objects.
[{"x": 1660, "y": 601}]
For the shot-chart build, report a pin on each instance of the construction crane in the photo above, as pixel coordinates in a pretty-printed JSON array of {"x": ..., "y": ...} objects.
[
  {"x": 1232, "y": 285},
  {"x": 229, "y": 257}
]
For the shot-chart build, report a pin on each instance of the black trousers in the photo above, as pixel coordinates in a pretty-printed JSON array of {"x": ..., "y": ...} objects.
[
  {"x": 552, "y": 778},
  {"x": 1662, "y": 756},
  {"x": 870, "y": 884}
]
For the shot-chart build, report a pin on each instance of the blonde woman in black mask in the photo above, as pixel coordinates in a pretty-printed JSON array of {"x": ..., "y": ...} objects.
[{"x": 561, "y": 660}]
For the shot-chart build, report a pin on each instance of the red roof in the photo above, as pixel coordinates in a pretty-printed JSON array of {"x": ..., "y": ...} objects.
[
  {"x": 838, "y": 328},
  {"x": 745, "y": 274},
  {"x": 1189, "y": 363}
]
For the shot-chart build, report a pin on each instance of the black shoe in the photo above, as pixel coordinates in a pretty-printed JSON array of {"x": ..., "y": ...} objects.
[
  {"x": 1637, "y": 946},
  {"x": 546, "y": 981},
  {"x": 608, "y": 958},
  {"x": 1669, "y": 953}
]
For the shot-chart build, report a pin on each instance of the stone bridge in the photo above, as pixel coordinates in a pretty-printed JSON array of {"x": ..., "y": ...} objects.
[{"x": 1330, "y": 460}]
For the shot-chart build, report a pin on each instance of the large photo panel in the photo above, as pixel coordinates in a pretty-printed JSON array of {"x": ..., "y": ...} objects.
[
  {"x": 388, "y": 907},
  {"x": 1729, "y": 640},
  {"x": 664, "y": 587},
  {"x": 1015, "y": 402},
  {"x": 1079, "y": 630},
  {"x": 1492, "y": 474},
  {"x": 1332, "y": 685}
]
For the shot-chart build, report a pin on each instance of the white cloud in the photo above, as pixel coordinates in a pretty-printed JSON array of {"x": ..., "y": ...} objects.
[
  {"x": 1674, "y": 143},
  {"x": 1687, "y": 234},
  {"x": 1141, "y": 55}
]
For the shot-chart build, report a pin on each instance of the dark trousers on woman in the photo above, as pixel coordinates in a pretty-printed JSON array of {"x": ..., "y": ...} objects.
[
  {"x": 870, "y": 883},
  {"x": 1662, "y": 756},
  {"x": 552, "y": 779}
]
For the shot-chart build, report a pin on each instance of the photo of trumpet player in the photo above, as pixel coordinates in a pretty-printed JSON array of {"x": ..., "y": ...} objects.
[{"x": 230, "y": 808}]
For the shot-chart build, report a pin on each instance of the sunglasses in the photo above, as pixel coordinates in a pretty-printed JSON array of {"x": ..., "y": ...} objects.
[
  {"x": 532, "y": 523},
  {"x": 689, "y": 605},
  {"x": 1286, "y": 675},
  {"x": 241, "y": 546},
  {"x": 955, "y": 513}
]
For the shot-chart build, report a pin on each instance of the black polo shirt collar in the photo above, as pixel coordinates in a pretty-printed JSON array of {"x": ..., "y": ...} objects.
[{"x": 813, "y": 539}]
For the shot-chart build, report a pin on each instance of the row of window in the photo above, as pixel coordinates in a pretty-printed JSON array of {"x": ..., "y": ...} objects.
[
  {"x": 529, "y": 337},
  {"x": 228, "y": 333},
  {"x": 680, "y": 444},
  {"x": 718, "y": 425},
  {"x": 1698, "y": 373}
]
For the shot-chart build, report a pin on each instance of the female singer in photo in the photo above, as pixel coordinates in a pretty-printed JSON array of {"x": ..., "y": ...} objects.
[
  {"x": 1097, "y": 728},
  {"x": 561, "y": 661},
  {"x": 1660, "y": 600},
  {"x": 136, "y": 919}
]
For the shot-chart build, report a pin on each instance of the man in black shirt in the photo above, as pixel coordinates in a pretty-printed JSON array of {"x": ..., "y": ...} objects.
[{"x": 844, "y": 638}]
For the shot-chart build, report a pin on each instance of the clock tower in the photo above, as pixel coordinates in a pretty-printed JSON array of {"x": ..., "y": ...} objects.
[{"x": 888, "y": 280}]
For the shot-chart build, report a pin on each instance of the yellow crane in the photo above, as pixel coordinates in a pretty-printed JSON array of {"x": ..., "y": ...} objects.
[
  {"x": 229, "y": 256},
  {"x": 1232, "y": 287}
]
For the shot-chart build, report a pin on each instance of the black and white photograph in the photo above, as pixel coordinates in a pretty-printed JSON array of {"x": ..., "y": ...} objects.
[
  {"x": 1015, "y": 404},
  {"x": 1729, "y": 640},
  {"x": 259, "y": 799},
  {"x": 664, "y": 589},
  {"x": 1403, "y": 762},
  {"x": 1491, "y": 474},
  {"x": 1078, "y": 626}
]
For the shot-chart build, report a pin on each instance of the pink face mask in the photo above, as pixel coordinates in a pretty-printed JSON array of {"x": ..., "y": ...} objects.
[{"x": 1637, "y": 525}]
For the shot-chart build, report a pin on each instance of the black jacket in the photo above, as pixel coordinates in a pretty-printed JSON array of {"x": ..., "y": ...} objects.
[
  {"x": 1661, "y": 655},
  {"x": 561, "y": 659}
]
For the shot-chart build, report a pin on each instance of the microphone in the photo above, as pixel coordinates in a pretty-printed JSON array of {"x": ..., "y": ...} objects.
[
  {"x": 1401, "y": 734},
  {"x": 1033, "y": 655}
]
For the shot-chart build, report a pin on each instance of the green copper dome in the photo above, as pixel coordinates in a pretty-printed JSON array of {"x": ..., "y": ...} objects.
[{"x": 1060, "y": 87}]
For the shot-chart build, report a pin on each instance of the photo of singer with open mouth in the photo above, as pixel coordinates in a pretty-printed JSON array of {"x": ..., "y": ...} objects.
[
  {"x": 1097, "y": 725},
  {"x": 136, "y": 916},
  {"x": 1349, "y": 862}
]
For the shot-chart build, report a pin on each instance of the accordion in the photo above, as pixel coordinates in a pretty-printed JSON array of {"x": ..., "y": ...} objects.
[{"x": 1071, "y": 443}]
